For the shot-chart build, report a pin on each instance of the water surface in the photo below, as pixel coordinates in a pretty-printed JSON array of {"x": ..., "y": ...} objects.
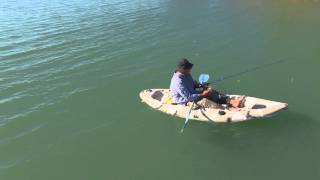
[{"x": 71, "y": 71}]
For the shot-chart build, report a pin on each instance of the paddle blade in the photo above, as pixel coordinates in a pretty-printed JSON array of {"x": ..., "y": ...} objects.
[
  {"x": 184, "y": 125},
  {"x": 181, "y": 131},
  {"x": 203, "y": 78}
]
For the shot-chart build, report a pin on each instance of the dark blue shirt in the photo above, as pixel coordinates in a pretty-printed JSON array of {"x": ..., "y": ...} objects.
[{"x": 182, "y": 88}]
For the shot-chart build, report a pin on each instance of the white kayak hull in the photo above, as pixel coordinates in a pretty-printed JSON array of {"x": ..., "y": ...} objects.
[{"x": 253, "y": 108}]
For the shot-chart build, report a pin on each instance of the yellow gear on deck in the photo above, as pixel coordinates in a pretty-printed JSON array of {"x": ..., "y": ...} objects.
[{"x": 168, "y": 100}]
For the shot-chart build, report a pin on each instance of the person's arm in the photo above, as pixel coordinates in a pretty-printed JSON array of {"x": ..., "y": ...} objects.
[{"x": 196, "y": 84}]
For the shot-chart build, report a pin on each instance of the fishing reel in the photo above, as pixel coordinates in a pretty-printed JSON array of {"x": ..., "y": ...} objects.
[{"x": 203, "y": 86}]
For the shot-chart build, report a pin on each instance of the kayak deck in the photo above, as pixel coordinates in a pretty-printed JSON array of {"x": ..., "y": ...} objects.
[{"x": 253, "y": 108}]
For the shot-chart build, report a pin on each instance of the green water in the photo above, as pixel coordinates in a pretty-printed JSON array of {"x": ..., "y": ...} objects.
[{"x": 71, "y": 71}]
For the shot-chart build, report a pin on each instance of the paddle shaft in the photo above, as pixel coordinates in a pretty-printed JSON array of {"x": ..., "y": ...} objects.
[{"x": 187, "y": 117}]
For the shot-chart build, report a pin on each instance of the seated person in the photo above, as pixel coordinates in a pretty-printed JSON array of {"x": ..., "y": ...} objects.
[{"x": 183, "y": 88}]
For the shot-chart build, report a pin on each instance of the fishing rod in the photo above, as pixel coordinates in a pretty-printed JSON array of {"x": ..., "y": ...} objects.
[
  {"x": 249, "y": 70},
  {"x": 222, "y": 78}
]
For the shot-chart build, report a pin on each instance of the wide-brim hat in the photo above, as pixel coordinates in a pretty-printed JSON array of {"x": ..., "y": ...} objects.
[{"x": 184, "y": 64}]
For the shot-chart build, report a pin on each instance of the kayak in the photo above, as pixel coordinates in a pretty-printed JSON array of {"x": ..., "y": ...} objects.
[{"x": 253, "y": 108}]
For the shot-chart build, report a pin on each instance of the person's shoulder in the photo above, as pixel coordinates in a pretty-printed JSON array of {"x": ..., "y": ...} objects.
[
  {"x": 177, "y": 76},
  {"x": 177, "y": 79}
]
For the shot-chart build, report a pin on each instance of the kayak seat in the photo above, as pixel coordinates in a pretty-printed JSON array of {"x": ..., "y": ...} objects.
[{"x": 206, "y": 103}]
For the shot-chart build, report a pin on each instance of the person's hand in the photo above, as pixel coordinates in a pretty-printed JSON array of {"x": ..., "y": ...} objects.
[
  {"x": 206, "y": 93},
  {"x": 207, "y": 88}
]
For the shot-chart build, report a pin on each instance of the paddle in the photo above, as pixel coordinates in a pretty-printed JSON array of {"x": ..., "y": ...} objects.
[{"x": 203, "y": 78}]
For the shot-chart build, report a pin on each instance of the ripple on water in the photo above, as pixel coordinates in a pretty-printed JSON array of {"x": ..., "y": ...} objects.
[
  {"x": 56, "y": 52},
  {"x": 20, "y": 134},
  {"x": 9, "y": 164}
]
